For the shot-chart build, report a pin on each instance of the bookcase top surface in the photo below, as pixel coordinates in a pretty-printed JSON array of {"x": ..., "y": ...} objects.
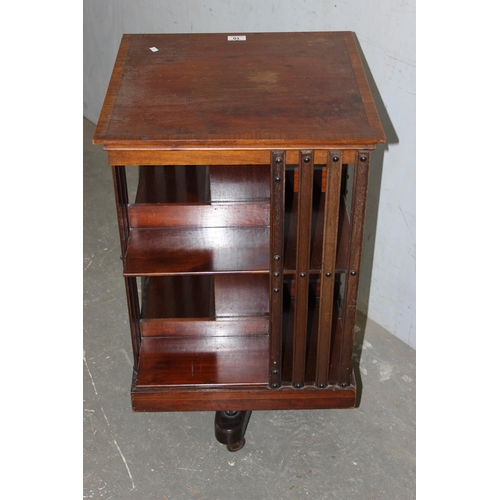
[{"x": 265, "y": 90}]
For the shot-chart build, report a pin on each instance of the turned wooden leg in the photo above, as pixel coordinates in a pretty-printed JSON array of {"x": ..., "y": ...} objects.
[{"x": 230, "y": 427}]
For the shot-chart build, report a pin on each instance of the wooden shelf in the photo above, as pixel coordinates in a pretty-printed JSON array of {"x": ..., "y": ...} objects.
[
  {"x": 204, "y": 361},
  {"x": 199, "y": 220},
  {"x": 204, "y": 330},
  {"x": 164, "y": 251}
]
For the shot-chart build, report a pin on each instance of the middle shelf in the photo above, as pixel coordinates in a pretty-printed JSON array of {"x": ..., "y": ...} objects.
[{"x": 163, "y": 251}]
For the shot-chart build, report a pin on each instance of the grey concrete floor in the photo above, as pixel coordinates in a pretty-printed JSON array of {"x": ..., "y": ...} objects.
[{"x": 362, "y": 453}]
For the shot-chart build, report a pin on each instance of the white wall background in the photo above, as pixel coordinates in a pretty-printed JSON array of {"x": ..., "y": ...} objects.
[{"x": 386, "y": 33}]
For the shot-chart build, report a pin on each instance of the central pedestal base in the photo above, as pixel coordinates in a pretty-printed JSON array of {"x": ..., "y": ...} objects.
[{"x": 230, "y": 427}]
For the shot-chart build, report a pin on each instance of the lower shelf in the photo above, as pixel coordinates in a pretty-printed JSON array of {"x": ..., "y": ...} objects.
[{"x": 208, "y": 361}]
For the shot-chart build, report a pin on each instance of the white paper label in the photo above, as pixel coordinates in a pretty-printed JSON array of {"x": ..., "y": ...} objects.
[
  {"x": 238, "y": 38},
  {"x": 153, "y": 49}
]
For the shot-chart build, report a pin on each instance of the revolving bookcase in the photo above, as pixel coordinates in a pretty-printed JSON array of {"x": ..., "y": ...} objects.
[{"x": 241, "y": 245}]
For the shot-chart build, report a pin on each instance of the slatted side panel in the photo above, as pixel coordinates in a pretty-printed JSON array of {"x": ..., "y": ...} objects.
[
  {"x": 121, "y": 197},
  {"x": 134, "y": 317}
]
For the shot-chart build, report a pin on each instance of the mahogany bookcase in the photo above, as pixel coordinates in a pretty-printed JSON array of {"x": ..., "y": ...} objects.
[{"x": 241, "y": 249}]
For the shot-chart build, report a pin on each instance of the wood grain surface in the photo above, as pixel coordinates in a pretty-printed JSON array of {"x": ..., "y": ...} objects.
[{"x": 272, "y": 90}]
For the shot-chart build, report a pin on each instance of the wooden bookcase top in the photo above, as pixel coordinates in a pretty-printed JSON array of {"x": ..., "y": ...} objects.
[{"x": 268, "y": 91}]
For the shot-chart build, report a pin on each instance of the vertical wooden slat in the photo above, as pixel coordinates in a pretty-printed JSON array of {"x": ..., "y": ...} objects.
[
  {"x": 358, "y": 207},
  {"x": 121, "y": 197},
  {"x": 278, "y": 163},
  {"x": 330, "y": 231},
  {"x": 305, "y": 194},
  {"x": 134, "y": 312}
]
